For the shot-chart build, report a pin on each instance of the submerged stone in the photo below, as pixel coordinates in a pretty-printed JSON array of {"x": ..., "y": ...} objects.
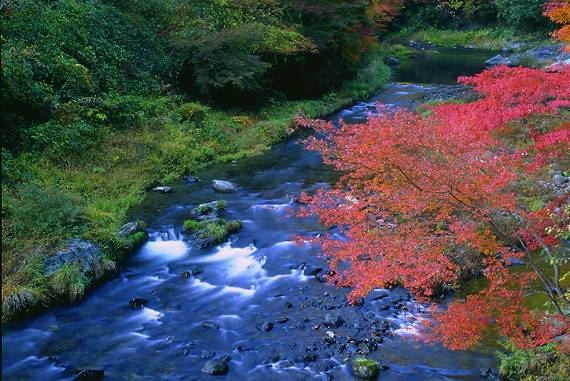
[
  {"x": 217, "y": 367},
  {"x": 89, "y": 375},
  {"x": 138, "y": 303}
]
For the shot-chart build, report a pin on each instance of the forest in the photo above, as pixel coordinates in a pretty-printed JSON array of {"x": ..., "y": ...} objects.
[{"x": 104, "y": 101}]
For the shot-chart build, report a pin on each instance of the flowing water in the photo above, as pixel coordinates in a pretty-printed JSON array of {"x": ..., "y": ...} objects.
[{"x": 252, "y": 298}]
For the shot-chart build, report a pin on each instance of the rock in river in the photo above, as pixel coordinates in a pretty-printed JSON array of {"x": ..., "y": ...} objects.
[
  {"x": 217, "y": 366},
  {"x": 138, "y": 303},
  {"x": 162, "y": 189},
  {"x": 224, "y": 186},
  {"x": 89, "y": 375},
  {"x": 365, "y": 369}
]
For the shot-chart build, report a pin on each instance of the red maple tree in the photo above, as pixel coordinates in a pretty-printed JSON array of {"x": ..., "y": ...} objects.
[{"x": 427, "y": 201}]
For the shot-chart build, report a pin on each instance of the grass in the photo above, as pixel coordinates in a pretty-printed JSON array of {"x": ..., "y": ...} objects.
[
  {"x": 212, "y": 231},
  {"x": 541, "y": 363},
  {"x": 484, "y": 38}
]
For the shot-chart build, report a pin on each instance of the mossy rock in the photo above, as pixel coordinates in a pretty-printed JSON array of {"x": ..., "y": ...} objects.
[
  {"x": 210, "y": 232},
  {"x": 365, "y": 369}
]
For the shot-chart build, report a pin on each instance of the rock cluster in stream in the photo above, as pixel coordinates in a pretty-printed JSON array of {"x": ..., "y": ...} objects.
[{"x": 315, "y": 324}]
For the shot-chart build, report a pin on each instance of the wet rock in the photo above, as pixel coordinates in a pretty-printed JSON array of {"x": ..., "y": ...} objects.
[
  {"x": 209, "y": 211},
  {"x": 310, "y": 270},
  {"x": 498, "y": 60},
  {"x": 333, "y": 320},
  {"x": 130, "y": 228},
  {"x": 392, "y": 61},
  {"x": 190, "y": 179},
  {"x": 89, "y": 375},
  {"x": 224, "y": 186},
  {"x": 365, "y": 369},
  {"x": 539, "y": 56},
  {"x": 266, "y": 326},
  {"x": 330, "y": 337},
  {"x": 283, "y": 319},
  {"x": 310, "y": 357},
  {"x": 162, "y": 189},
  {"x": 216, "y": 366},
  {"x": 138, "y": 303},
  {"x": 87, "y": 256},
  {"x": 560, "y": 179},
  {"x": 210, "y": 324}
]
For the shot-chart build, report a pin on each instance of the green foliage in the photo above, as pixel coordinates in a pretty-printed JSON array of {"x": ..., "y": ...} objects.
[
  {"x": 214, "y": 231},
  {"x": 191, "y": 226},
  {"x": 43, "y": 213},
  {"x": 69, "y": 281},
  {"x": 138, "y": 238},
  {"x": 522, "y": 13},
  {"x": 541, "y": 363}
]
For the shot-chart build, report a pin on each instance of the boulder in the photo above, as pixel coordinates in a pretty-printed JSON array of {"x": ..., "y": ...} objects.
[
  {"x": 87, "y": 256},
  {"x": 224, "y": 186}
]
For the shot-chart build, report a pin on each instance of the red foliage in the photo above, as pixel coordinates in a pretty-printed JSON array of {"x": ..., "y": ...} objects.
[
  {"x": 559, "y": 12},
  {"x": 419, "y": 197}
]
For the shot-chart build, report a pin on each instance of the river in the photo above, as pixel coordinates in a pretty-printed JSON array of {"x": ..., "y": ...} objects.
[{"x": 253, "y": 301}]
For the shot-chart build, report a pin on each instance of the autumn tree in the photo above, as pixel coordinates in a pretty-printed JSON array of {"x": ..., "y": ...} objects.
[
  {"x": 559, "y": 12},
  {"x": 426, "y": 202}
]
